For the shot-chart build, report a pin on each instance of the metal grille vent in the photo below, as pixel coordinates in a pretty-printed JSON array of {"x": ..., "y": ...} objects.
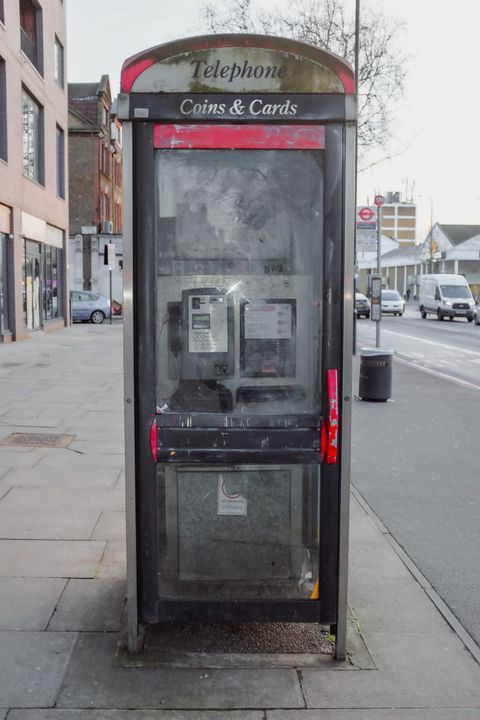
[{"x": 52, "y": 440}]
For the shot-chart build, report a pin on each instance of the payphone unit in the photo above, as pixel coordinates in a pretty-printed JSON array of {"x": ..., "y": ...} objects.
[{"x": 238, "y": 224}]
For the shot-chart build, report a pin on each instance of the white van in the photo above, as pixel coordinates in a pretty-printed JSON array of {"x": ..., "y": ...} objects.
[{"x": 445, "y": 296}]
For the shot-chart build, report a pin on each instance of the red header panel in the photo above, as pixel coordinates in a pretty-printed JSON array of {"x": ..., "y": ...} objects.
[{"x": 243, "y": 137}]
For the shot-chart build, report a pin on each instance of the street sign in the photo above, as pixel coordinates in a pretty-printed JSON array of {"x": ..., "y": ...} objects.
[
  {"x": 366, "y": 218},
  {"x": 366, "y": 239},
  {"x": 376, "y": 298},
  {"x": 111, "y": 256},
  {"x": 366, "y": 226},
  {"x": 366, "y": 214},
  {"x": 379, "y": 200}
]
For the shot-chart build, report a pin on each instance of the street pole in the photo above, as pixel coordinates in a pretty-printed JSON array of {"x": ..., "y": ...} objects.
[
  {"x": 111, "y": 320},
  {"x": 357, "y": 54},
  {"x": 379, "y": 265}
]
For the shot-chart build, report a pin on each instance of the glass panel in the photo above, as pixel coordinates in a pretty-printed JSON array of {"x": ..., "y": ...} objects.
[
  {"x": 36, "y": 272},
  {"x": 31, "y": 137},
  {"x": 58, "y": 61},
  {"x": 47, "y": 282},
  {"x": 24, "y": 283},
  {"x": 56, "y": 310},
  {"x": 239, "y": 267},
  {"x": 243, "y": 533},
  {"x": 3, "y": 284},
  {"x": 28, "y": 295}
]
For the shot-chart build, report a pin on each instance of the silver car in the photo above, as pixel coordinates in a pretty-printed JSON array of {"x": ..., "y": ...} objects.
[
  {"x": 476, "y": 313},
  {"x": 392, "y": 302},
  {"x": 89, "y": 305}
]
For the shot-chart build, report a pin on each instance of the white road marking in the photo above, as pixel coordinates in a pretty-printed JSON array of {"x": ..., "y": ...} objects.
[
  {"x": 436, "y": 373},
  {"x": 432, "y": 342}
]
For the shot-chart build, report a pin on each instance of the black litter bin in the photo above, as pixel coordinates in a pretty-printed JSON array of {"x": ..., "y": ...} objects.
[{"x": 375, "y": 374}]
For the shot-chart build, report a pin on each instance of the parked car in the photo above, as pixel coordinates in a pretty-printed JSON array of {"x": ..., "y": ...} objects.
[
  {"x": 392, "y": 302},
  {"x": 89, "y": 306},
  {"x": 476, "y": 313},
  {"x": 362, "y": 305}
]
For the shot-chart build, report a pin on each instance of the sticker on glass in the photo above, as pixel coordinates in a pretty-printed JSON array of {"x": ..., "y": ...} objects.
[{"x": 230, "y": 500}]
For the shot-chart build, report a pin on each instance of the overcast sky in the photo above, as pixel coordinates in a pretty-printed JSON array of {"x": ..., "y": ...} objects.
[{"x": 436, "y": 143}]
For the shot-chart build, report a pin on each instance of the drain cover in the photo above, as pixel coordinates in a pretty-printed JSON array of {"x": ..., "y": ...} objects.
[{"x": 38, "y": 440}]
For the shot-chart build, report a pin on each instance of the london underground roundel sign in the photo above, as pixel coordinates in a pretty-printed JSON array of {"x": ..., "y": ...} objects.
[{"x": 366, "y": 214}]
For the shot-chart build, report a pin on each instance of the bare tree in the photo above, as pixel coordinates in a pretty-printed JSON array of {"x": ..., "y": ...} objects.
[{"x": 328, "y": 25}]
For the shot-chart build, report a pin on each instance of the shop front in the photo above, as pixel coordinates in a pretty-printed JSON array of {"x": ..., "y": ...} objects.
[{"x": 42, "y": 285}]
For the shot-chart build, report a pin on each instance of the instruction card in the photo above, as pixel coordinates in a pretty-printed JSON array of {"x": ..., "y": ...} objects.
[{"x": 268, "y": 321}]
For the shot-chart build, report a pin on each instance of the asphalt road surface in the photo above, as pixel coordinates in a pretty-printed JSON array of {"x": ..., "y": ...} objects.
[{"x": 416, "y": 459}]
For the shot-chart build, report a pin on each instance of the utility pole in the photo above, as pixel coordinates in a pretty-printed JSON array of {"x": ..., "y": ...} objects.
[
  {"x": 379, "y": 200},
  {"x": 357, "y": 56}
]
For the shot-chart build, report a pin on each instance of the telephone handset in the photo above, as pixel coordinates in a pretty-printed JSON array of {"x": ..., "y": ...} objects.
[{"x": 200, "y": 334}]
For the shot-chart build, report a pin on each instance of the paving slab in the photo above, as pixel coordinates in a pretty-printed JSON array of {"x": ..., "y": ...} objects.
[
  {"x": 91, "y": 681},
  {"x": 28, "y": 603},
  {"x": 136, "y": 715},
  {"x": 111, "y": 526},
  {"x": 110, "y": 419},
  {"x": 67, "y": 477},
  {"x": 386, "y": 606},
  {"x": 110, "y": 446},
  {"x": 114, "y": 561},
  {"x": 93, "y": 461},
  {"x": 40, "y": 500},
  {"x": 372, "y": 714},
  {"x": 47, "y": 525},
  {"x": 20, "y": 457},
  {"x": 414, "y": 671},
  {"x": 50, "y": 558},
  {"x": 371, "y": 556},
  {"x": 32, "y": 667},
  {"x": 90, "y": 605}
]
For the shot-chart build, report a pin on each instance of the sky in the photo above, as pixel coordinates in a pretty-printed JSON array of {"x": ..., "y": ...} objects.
[{"x": 433, "y": 153}]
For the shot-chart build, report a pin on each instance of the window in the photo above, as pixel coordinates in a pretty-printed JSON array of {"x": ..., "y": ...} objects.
[
  {"x": 32, "y": 129},
  {"x": 60, "y": 162},
  {"x": 31, "y": 32},
  {"x": 104, "y": 116},
  {"x": 118, "y": 174},
  {"x": 59, "y": 62},
  {"x": 50, "y": 282},
  {"x": 3, "y": 111},
  {"x": 409, "y": 210},
  {"x": 104, "y": 208},
  {"x": 2, "y": 13}
]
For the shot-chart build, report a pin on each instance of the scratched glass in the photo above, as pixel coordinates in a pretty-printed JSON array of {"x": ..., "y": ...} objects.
[
  {"x": 239, "y": 251},
  {"x": 239, "y": 267}
]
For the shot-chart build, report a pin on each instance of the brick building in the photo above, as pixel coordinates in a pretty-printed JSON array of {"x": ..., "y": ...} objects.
[
  {"x": 33, "y": 192},
  {"x": 95, "y": 177}
]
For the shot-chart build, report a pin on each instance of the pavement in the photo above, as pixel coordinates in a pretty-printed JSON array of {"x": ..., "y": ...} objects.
[{"x": 62, "y": 576}]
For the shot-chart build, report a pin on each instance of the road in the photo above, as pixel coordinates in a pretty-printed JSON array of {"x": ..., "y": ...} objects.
[
  {"x": 415, "y": 459},
  {"x": 448, "y": 347}
]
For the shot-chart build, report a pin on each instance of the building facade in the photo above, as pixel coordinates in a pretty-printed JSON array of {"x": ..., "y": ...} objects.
[
  {"x": 95, "y": 183},
  {"x": 33, "y": 167},
  {"x": 399, "y": 220},
  {"x": 451, "y": 249}
]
